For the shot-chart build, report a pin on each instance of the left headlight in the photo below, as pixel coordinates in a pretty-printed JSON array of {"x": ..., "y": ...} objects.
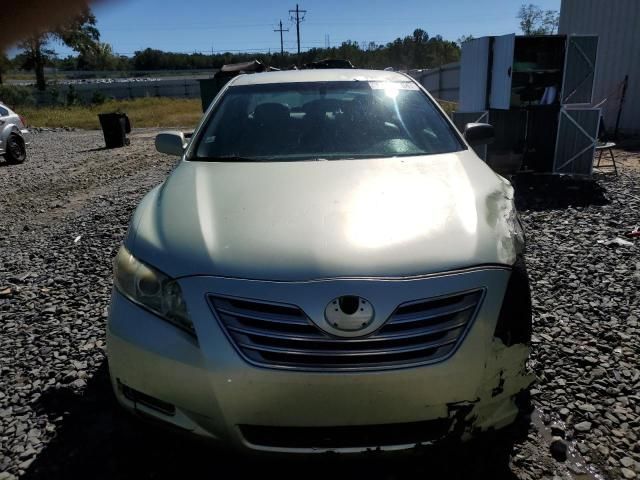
[{"x": 150, "y": 289}]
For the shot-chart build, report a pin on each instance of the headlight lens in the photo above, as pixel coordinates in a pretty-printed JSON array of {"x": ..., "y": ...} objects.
[{"x": 151, "y": 289}]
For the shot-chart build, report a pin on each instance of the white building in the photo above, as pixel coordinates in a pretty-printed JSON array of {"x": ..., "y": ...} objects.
[{"x": 617, "y": 24}]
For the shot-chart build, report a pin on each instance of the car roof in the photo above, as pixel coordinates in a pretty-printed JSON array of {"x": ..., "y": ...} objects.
[{"x": 320, "y": 75}]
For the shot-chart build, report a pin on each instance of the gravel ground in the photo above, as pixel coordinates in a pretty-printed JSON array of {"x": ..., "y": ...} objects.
[{"x": 63, "y": 214}]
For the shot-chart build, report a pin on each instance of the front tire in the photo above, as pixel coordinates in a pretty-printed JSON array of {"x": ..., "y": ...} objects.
[{"x": 16, "y": 150}]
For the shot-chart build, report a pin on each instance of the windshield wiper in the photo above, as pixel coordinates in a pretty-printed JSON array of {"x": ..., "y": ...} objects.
[{"x": 231, "y": 158}]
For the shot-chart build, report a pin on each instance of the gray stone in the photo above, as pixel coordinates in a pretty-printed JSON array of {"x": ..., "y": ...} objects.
[
  {"x": 587, "y": 407},
  {"x": 79, "y": 383},
  {"x": 557, "y": 430},
  {"x": 583, "y": 426}
]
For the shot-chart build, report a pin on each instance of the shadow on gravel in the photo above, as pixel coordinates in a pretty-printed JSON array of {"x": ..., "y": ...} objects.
[
  {"x": 96, "y": 440},
  {"x": 553, "y": 192}
]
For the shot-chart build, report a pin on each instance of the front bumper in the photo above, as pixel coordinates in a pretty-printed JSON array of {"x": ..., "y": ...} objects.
[
  {"x": 219, "y": 395},
  {"x": 26, "y": 136}
]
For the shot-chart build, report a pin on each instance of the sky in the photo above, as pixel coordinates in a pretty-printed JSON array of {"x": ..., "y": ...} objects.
[{"x": 247, "y": 25}]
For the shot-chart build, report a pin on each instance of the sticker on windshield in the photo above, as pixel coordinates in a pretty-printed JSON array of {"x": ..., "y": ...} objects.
[{"x": 393, "y": 86}]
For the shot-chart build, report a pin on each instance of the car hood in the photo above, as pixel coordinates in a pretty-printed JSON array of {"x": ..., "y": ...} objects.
[{"x": 294, "y": 221}]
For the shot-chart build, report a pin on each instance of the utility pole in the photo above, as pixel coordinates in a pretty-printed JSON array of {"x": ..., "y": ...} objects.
[
  {"x": 298, "y": 19},
  {"x": 281, "y": 40}
]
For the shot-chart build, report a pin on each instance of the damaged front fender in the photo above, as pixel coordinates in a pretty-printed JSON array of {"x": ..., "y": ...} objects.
[{"x": 503, "y": 217}]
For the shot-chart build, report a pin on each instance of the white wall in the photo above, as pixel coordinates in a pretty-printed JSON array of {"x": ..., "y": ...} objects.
[{"x": 442, "y": 82}]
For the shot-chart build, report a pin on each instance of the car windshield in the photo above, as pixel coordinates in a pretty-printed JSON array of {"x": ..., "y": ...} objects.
[{"x": 324, "y": 120}]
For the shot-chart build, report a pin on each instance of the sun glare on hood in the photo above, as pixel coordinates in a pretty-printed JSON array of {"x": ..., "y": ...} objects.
[{"x": 401, "y": 206}]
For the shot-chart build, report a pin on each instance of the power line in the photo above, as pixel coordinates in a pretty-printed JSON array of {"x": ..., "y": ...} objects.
[
  {"x": 298, "y": 19},
  {"x": 281, "y": 40},
  {"x": 189, "y": 27}
]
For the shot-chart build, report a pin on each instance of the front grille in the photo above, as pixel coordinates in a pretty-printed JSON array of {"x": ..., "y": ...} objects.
[
  {"x": 346, "y": 436},
  {"x": 282, "y": 336}
]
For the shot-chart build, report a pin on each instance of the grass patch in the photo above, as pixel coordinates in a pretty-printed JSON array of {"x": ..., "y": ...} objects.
[{"x": 143, "y": 112}]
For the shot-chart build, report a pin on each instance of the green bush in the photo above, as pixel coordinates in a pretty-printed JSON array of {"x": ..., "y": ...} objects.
[
  {"x": 16, "y": 96},
  {"x": 98, "y": 98},
  {"x": 72, "y": 96},
  {"x": 54, "y": 95}
]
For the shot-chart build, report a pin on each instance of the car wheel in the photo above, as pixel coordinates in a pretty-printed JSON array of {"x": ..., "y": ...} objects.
[{"x": 16, "y": 151}]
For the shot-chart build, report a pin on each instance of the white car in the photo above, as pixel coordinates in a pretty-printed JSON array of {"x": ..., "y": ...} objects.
[
  {"x": 330, "y": 267},
  {"x": 13, "y": 135}
]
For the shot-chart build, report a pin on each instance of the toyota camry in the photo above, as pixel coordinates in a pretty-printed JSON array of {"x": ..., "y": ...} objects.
[{"x": 329, "y": 267}]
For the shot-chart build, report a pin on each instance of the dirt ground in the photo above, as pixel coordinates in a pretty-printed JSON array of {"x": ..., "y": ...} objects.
[{"x": 63, "y": 214}]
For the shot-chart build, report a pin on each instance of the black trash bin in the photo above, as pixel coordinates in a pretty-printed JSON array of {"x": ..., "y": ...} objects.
[{"x": 115, "y": 127}]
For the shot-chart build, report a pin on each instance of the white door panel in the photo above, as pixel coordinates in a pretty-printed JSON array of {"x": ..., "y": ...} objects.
[
  {"x": 473, "y": 75},
  {"x": 501, "y": 72}
]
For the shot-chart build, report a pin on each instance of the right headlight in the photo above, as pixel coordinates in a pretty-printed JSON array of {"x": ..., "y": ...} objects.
[{"x": 150, "y": 289}]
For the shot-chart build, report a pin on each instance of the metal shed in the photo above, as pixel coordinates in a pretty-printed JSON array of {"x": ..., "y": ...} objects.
[
  {"x": 617, "y": 25},
  {"x": 537, "y": 93}
]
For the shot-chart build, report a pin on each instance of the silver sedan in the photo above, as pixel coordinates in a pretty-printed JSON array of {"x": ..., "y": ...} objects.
[
  {"x": 330, "y": 267},
  {"x": 13, "y": 135}
]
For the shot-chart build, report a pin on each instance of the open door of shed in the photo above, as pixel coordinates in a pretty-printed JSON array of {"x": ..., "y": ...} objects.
[
  {"x": 579, "y": 69},
  {"x": 473, "y": 75},
  {"x": 576, "y": 141},
  {"x": 501, "y": 72}
]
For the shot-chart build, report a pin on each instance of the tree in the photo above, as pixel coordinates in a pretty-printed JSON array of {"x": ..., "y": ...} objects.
[
  {"x": 535, "y": 21},
  {"x": 36, "y": 57},
  {"x": 551, "y": 21},
  {"x": 420, "y": 36},
  {"x": 98, "y": 57},
  {"x": 464, "y": 38},
  {"x": 79, "y": 34},
  {"x": 4, "y": 65}
]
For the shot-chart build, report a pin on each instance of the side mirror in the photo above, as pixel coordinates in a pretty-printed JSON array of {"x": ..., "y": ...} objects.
[
  {"x": 478, "y": 133},
  {"x": 171, "y": 143}
]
